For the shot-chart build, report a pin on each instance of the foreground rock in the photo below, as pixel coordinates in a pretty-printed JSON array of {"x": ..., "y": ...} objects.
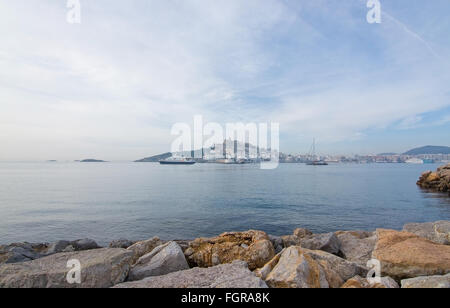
[
  {"x": 253, "y": 247},
  {"x": 356, "y": 246},
  {"x": 234, "y": 275},
  {"x": 438, "y": 181},
  {"x": 100, "y": 268},
  {"x": 297, "y": 267},
  {"x": 162, "y": 260},
  {"x": 431, "y": 282},
  {"x": 405, "y": 255},
  {"x": 22, "y": 252},
  {"x": 438, "y": 232},
  {"x": 363, "y": 283},
  {"x": 142, "y": 248}
]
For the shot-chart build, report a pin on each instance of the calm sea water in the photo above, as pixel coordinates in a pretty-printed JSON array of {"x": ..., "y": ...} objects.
[{"x": 42, "y": 202}]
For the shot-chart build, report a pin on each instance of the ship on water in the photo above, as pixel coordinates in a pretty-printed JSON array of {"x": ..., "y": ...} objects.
[
  {"x": 313, "y": 159},
  {"x": 177, "y": 161}
]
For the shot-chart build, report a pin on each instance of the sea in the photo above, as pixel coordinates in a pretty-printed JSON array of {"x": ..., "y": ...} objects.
[{"x": 49, "y": 201}]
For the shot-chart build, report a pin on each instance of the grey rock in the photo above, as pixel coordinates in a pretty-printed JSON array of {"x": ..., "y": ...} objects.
[
  {"x": 389, "y": 283},
  {"x": 162, "y": 260},
  {"x": 100, "y": 268},
  {"x": 327, "y": 242},
  {"x": 296, "y": 238},
  {"x": 438, "y": 232},
  {"x": 277, "y": 243},
  {"x": 144, "y": 247},
  {"x": 357, "y": 246},
  {"x": 68, "y": 246},
  {"x": 428, "y": 282},
  {"x": 122, "y": 243},
  {"x": 84, "y": 244},
  {"x": 234, "y": 275},
  {"x": 184, "y": 244},
  {"x": 57, "y": 247},
  {"x": 21, "y": 252}
]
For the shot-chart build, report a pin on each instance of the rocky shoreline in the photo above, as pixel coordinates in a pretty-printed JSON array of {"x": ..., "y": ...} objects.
[
  {"x": 416, "y": 257},
  {"x": 436, "y": 181}
]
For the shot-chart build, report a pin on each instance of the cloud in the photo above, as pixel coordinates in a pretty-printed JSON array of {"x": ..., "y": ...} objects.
[{"x": 113, "y": 86}]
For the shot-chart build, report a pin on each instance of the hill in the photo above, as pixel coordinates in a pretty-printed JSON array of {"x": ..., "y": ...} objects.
[
  {"x": 429, "y": 149},
  {"x": 154, "y": 159}
]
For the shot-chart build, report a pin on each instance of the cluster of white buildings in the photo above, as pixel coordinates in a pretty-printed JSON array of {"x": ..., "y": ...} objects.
[{"x": 232, "y": 149}]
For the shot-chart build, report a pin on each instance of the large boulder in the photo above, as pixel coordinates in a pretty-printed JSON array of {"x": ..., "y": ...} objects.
[
  {"x": 356, "y": 246},
  {"x": 430, "y": 282},
  {"x": 297, "y": 267},
  {"x": 253, "y": 247},
  {"x": 358, "y": 282},
  {"x": 405, "y": 255},
  {"x": 234, "y": 275},
  {"x": 438, "y": 232},
  {"x": 162, "y": 260},
  {"x": 100, "y": 268},
  {"x": 144, "y": 247}
]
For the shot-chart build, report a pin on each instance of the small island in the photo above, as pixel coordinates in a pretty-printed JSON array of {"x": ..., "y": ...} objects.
[{"x": 90, "y": 160}]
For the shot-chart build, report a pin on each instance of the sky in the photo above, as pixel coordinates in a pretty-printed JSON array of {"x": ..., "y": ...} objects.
[{"x": 113, "y": 86}]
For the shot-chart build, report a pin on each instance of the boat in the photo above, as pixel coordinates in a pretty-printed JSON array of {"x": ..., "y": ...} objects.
[
  {"x": 415, "y": 161},
  {"x": 313, "y": 161},
  {"x": 177, "y": 161},
  {"x": 317, "y": 163}
]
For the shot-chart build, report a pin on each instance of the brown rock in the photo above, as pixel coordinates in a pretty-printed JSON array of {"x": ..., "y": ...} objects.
[
  {"x": 438, "y": 181},
  {"x": 253, "y": 247},
  {"x": 406, "y": 255}
]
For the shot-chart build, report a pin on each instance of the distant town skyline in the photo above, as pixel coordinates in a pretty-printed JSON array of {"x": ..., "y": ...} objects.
[{"x": 112, "y": 86}]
